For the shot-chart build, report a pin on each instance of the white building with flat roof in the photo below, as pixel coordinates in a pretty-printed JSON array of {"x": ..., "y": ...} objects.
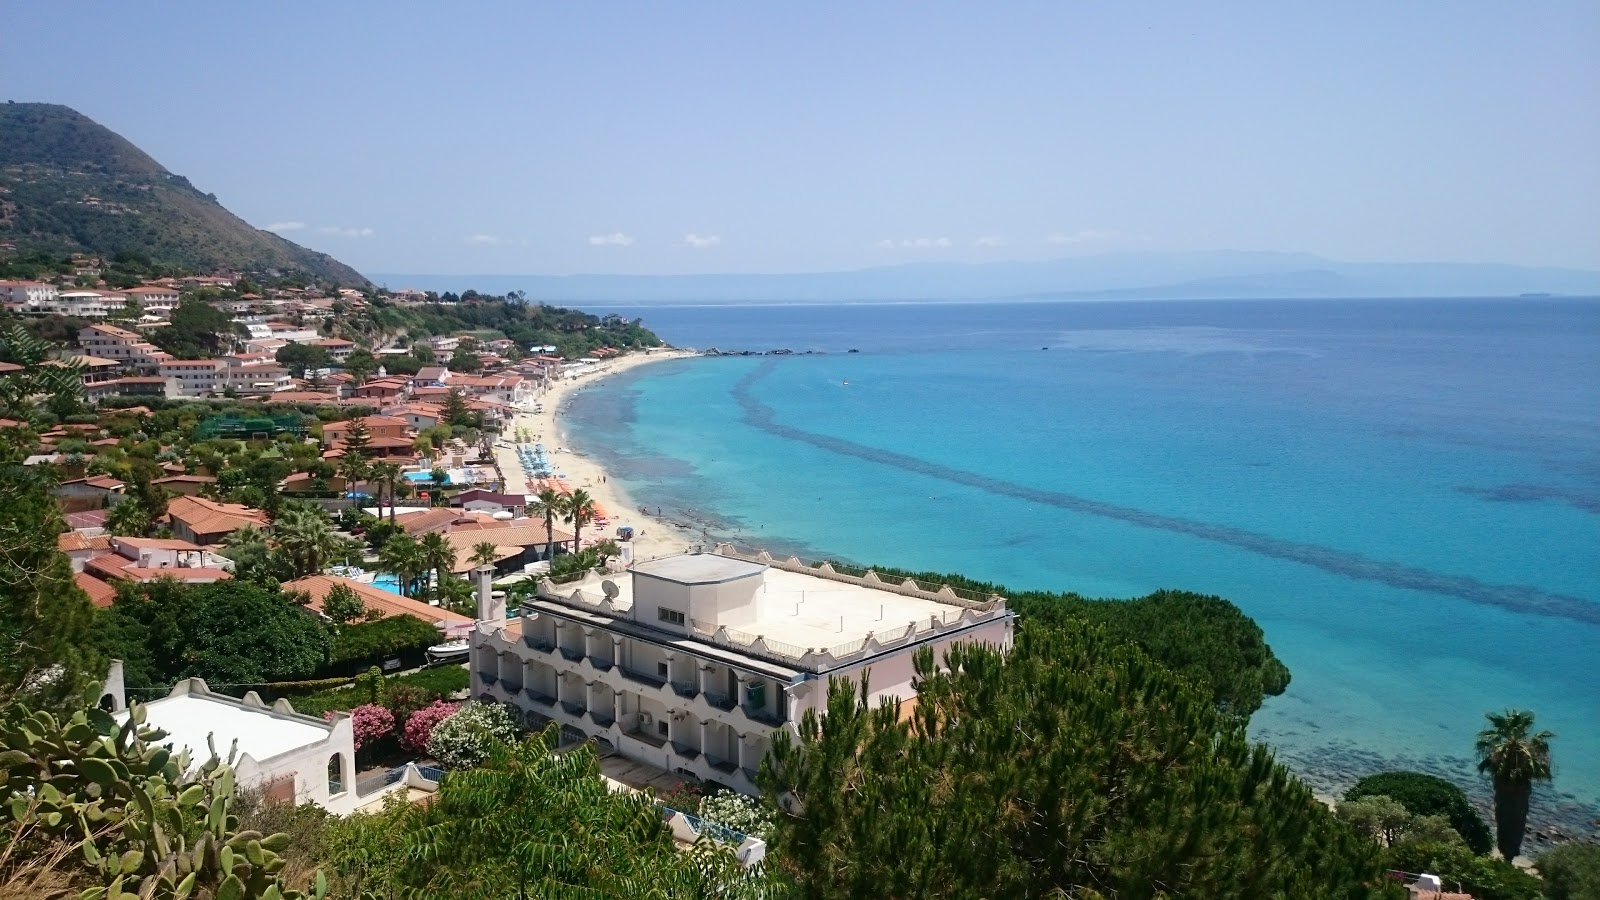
[
  {"x": 691, "y": 662},
  {"x": 291, "y": 757}
]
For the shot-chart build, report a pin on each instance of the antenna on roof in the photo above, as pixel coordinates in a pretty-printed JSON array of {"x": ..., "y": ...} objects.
[{"x": 610, "y": 589}]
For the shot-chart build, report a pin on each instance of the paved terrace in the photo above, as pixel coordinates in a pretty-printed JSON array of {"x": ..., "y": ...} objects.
[{"x": 802, "y": 614}]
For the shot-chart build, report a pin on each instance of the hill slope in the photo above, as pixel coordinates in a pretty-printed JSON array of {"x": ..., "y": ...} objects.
[{"x": 68, "y": 184}]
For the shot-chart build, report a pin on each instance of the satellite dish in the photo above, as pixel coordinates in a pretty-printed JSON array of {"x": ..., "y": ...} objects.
[{"x": 610, "y": 589}]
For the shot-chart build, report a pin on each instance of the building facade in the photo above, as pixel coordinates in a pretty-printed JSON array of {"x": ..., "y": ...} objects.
[{"x": 690, "y": 663}]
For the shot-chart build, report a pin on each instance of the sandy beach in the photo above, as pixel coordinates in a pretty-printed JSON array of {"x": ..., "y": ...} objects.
[{"x": 652, "y": 537}]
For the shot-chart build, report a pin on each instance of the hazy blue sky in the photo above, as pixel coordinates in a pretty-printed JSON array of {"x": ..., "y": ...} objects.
[{"x": 759, "y": 137}]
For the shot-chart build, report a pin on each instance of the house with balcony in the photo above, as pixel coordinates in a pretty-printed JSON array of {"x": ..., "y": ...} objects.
[
  {"x": 147, "y": 559},
  {"x": 690, "y": 663}
]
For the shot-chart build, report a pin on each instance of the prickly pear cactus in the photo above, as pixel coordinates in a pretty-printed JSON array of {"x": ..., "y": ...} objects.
[{"x": 138, "y": 819}]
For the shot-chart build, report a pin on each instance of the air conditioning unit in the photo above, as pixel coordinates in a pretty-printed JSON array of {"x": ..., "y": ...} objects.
[{"x": 645, "y": 718}]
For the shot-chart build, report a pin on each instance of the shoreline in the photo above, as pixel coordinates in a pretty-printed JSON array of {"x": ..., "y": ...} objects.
[
  {"x": 653, "y": 537},
  {"x": 1570, "y": 817}
]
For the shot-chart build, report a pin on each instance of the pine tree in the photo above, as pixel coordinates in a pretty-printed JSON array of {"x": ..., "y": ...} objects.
[{"x": 1075, "y": 765}]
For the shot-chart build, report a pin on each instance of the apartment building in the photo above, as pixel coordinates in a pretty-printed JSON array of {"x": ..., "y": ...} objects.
[
  {"x": 131, "y": 351},
  {"x": 195, "y": 377},
  {"x": 155, "y": 299},
  {"x": 87, "y": 304},
  {"x": 255, "y": 380},
  {"x": 690, "y": 663},
  {"x": 28, "y": 296}
]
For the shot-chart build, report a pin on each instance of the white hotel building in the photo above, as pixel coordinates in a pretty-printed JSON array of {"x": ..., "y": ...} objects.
[{"x": 690, "y": 663}]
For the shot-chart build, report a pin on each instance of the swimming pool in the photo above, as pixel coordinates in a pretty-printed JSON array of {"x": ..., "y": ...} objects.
[{"x": 383, "y": 581}]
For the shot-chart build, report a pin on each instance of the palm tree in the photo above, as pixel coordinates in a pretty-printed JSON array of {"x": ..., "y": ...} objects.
[
  {"x": 438, "y": 555},
  {"x": 354, "y": 467},
  {"x": 402, "y": 555},
  {"x": 386, "y": 473},
  {"x": 580, "y": 511},
  {"x": 549, "y": 503},
  {"x": 128, "y": 519},
  {"x": 251, "y": 554},
  {"x": 304, "y": 536},
  {"x": 484, "y": 553},
  {"x": 1515, "y": 759}
]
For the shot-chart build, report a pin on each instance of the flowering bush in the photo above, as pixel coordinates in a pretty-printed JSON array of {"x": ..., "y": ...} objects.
[
  {"x": 420, "y": 725},
  {"x": 738, "y": 812},
  {"x": 371, "y": 723},
  {"x": 463, "y": 740}
]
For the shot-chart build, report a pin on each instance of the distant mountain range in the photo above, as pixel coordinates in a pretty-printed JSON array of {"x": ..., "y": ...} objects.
[
  {"x": 71, "y": 185},
  {"x": 1118, "y": 276}
]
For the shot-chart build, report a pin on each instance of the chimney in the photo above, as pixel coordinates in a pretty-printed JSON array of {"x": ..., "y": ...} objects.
[{"x": 489, "y": 608}]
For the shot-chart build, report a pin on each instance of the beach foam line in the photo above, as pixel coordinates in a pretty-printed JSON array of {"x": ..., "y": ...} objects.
[{"x": 1515, "y": 598}]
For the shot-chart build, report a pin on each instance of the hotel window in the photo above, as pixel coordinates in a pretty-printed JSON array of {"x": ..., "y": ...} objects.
[{"x": 671, "y": 616}]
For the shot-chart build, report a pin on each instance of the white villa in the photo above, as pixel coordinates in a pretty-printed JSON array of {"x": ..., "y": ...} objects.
[
  {"x": 291, "y": 757},
  {"x": 690, "y": 663}
]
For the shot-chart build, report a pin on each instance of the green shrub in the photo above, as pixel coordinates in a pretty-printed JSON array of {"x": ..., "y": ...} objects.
[
  {"x": 370, "y": 643},
  {"x": 1429, "y": 795},
  {"x": 1571, "y": 872},
  {"x": 1484, "y": 877}
]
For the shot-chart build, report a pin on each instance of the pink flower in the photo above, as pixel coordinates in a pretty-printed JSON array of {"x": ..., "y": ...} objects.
[
  {"x": 421, "y": 724},
  {"x": 371, "y": 722}
]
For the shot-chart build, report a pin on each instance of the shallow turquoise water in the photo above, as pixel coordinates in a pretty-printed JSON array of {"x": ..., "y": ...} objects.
[{"x": 1406, "y": 495}]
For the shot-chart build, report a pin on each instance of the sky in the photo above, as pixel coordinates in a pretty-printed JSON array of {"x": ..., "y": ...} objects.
[{"x": 670, "y": 138}]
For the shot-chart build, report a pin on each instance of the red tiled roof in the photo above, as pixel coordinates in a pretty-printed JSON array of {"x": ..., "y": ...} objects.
[
  {"x": 92, "y": 518},
  {"x": 100, "y": 593},
  {"x": 155, "y": 544},
  {"x": 208, "y": 517},
  {"x": 428, "y": 520},
  {"x": 389, "y": 604}
]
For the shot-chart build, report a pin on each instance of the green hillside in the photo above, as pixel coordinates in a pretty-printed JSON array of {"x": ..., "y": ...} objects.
[{"x": 68, "y": 184}]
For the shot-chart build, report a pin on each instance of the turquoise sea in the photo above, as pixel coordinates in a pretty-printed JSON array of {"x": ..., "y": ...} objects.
[{"x": 1404, "y": 494}]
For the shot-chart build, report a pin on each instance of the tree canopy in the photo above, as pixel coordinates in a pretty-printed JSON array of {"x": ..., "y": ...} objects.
[
  {"x": 1203, "y": 638},
  {"x": 1428, "y": 795},
  {"x": 1076, "y": 765},
  {"x": 229, "y": 633}
]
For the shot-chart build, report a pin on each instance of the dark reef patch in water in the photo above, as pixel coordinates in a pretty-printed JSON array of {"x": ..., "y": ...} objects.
[{"x": 1515, "y": 598}]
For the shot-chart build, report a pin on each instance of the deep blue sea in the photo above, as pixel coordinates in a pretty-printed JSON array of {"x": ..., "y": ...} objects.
[{"x": 1404, "y": 494}]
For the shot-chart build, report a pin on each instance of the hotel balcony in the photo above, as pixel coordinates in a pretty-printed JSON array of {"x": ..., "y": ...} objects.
[
  {"x": 538, "y": 696},
  {"x": 685, "y": 689},
  {"x": 765, "y": 717},
  {"x": 641, "y": 678}
]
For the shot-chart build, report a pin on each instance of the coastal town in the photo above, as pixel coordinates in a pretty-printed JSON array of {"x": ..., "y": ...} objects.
[{"x": 779, "y": 456}]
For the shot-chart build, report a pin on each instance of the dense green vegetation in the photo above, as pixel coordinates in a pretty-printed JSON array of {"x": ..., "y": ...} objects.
[
  {"x": 1571, "y": 872},
  {"x": 1429, "y": 795},
  {"x": 231, "y": 633},
  {"x": 573, "y": 333},
  {"x": 74, "y": 186},
  {"x": 1204, "y": 639},
  {"x": 1075, "y": 766},
  {"x": 44, "y": 616}
]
